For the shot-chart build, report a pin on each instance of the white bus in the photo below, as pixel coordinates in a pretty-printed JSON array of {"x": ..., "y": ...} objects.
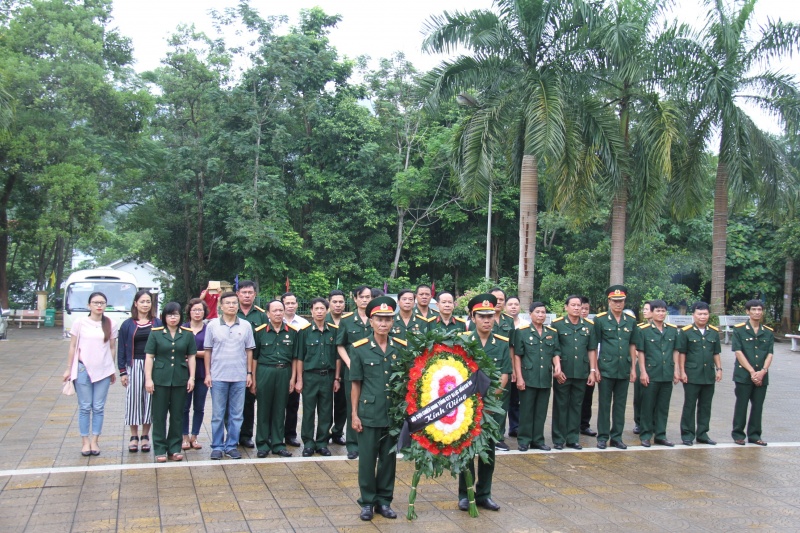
[{"x": 118, "y": 286}]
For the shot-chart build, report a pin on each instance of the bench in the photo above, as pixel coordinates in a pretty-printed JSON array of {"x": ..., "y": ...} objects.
[
  {"x": 29, "y": 316},
  {"x": 726, "y": 323},
  {"x": 680, "y": 320}
]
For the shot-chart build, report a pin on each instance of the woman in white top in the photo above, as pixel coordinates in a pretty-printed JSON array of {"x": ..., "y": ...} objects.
[{"x": 90, "y": 366}]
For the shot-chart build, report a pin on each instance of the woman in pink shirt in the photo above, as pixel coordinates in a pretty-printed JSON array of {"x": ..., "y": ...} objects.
[{"x": 90, "y": 366}]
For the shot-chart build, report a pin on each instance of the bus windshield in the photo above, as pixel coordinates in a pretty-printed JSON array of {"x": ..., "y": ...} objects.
[{"x": 120, "y": 295}]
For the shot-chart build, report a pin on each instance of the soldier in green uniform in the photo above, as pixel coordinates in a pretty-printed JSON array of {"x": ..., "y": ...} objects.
[
  {"x": 614, "y": 330},
  {"x": 659, "y": 370},
  {"x": 445, "y": 321},
  {"x": 316, "y": 365},
  {"x": 647, "y": 314},
  {"x": 496, "y": 346},
  {"x": 353, "y": 327},
  {"x": 537, "y": 357},
  {"x": 246, "y": 293},
  {"x": 422, "y": 297},
  {"x": 274, "y": 365},
  {"x": 701, "y": 367},
  {"x": 406, "y": 320},
  {"x": 169, "y": 375},
  {"x": 371, "y": 362},
  {"x": 578, "y": 343},
  {"x": 753, "y": 344},
  {"x": 334, "y": 316}
]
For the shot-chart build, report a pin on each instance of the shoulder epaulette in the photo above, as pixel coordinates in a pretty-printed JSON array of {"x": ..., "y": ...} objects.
[
  {"x": 432, "y": 318},
  {"x": 304, "y": 326},
  {"x": 767, "y": 327},
  {"x": 598, "y": 315},
  {"x": 259, "y": 328},
  {"x": 670, "y": 325},
  {"x": 345, "y": 315},
  {"x": 465, "y": 333},
  {"x": 460, "y": 320},
  {"x": 501, "y": 337},
  {"x": 644, "y": 326},
  {"x": 360, "y": 342},
  {"x": 715, "y": 328},
  {"x": 552, "y": 328},
  {"x": 641, "y": 324},
  {"x": 159, "y": 328},
  {"x": 259, "y": 309},
  {"x": 331, "y": 324},
  {"x": 589, "y": 321},
  {"x": 295, "y": 328},
  {"x": 687, "y": 328},
  {"x": 509, "y": 316},
  {"x": 629, "y": 313},
  {"x": 740, "y": 325},
  {"x": 399, "y": 341},
  {"x": 184, "y": 328},
  {"x": 523, "y": 326},
  {"x": 559, "y": 319}
]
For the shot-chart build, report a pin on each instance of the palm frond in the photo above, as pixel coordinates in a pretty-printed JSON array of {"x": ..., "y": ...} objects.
[{"x": 778, "y": 39}]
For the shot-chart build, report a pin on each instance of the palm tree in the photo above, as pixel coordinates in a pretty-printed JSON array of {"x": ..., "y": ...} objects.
[
  {"x": 723, "y": 68},
  {"x": 520, "y": 55}
]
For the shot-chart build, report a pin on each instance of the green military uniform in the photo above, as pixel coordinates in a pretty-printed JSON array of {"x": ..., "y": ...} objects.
[
  {"x": 276, "y": 350},
  {"x": 170, "y": 375},
  {"x": 429, "y": 318},
  {"x": 637, "y": 393},
  {"x": 504, "y": 326},
  {"x": 416, "y": 324},
  {"x": 318, "y": 353},
  {"x": 699, "y": 349},
  {"x": 536, "y": 351},
  {"x": 351, "y": 329},
  {"x": 497, "y": 349},
  {"x": 614, "y": 363},
  {"x": 658, "y": 348},
  {"x": 455, "y": 324},
  {"x": 575, "y": 341},
  {"x": 256, "y": 316},
  {"x": 370, "y": 365},
  {"x": 756, "y": 347},
  {"x": 339, "y": 401}
]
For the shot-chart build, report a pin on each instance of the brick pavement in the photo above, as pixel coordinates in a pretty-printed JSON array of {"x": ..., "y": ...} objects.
[{"x": 46, "y": 485}]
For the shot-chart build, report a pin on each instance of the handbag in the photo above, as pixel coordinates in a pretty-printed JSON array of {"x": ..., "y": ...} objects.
[{"x": 68, "y": 389}]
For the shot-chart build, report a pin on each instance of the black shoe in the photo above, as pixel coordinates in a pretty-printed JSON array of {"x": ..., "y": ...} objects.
[
  {"x": 646, "y": 443},
  {"x": 513, "y": 433},
  {"x": 574, "y": 445},
  {"x": 664, "y": 442},
  {"x": 589, "y": 432},
  {"x": 489, "y": 504},
  {"x": 338, "y": 440},
  {"x": 308, "y": 452},
  {"x": 262, "y": 453},
  {"x": 707, "y": 441},
  {"x": 325, "y": 452},
  {"x": 233, "y": 454},
  {"x": 246, "y": 442},
  {"x": 601, "y": 445},
  {"x": 216, "y": 455},
  {"x": 687, "y": 442},
  {"x": 352, "y": 455},
  {"x": 636, "y": 429},
  {"x": 284, "y": 453},
  {"x": 502, "y": 446},
  {"x": 542, "y": 447},
  {"x": 523, "y": 447},
  {"x": 366, "y": 513},
  {"x": 463, "y": 504},
  {"x": 558, "y": 446},
  {"x": 292, "y": 441},
  {"x": 385, "y": 511},
  {"x": 619, "y": 444}
]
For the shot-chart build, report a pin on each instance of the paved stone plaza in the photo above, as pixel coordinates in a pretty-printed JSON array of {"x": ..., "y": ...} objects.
[{"x": 46, "y": 485}]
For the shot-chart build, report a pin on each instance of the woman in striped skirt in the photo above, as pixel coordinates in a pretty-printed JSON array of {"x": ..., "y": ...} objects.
[{"x": 133, "y": 335}]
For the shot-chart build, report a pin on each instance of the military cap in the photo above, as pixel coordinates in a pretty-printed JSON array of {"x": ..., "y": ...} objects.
[
  {"x": 483, "y": 304},
  {"x": 381, "y": 306},
  {"x": 617, "y": 292}
]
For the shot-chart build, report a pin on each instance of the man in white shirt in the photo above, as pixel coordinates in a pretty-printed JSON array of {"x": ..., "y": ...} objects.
[{"x": 291, "y": 317}]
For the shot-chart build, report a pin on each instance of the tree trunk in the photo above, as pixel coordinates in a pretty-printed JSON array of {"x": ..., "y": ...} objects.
[
  {"x": 63, "y": 245},
  {"x": 788, "y": 291},
  {"x": 401, "y": 218},
  {"x": 528, "y": 205},
  {"x": 10, "y": 180},
  {"x": 719, "y": 240},
  {"x": 619, "y": 214},
  {"x": 200, "y": 189}
]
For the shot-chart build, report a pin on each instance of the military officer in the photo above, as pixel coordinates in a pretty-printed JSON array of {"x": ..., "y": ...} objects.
[
  {"x": 422, "y": 297},
  {"x": 371, "y": 362},
  {"x": 406, "y": 320},
  {"x": 316, "y": 364},
  {"x": 334, "y": 316},
  {"x": 753, "y": 345},
  {"x": 169, "y": 370},
  {"x": 701, "y": 367},
  {"x": 537, "y": 358},
  {"x": 256, "y": 316},
  {"x": 445, "y": 320},
  {"x": 614, "y": 330},
  {"x": 496, "y": 346},
  {"x": 353, "y": 327},
  {"x": 274, "y": 365},
  {"x": 647, "y": 314},
  {"x": 656, "y": 346},
  {"x": 588, "y": 396},
  {"x": 578, "y": 343}
]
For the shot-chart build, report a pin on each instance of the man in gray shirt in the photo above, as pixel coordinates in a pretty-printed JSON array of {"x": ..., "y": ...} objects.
[{"x": 229, "y": 345}]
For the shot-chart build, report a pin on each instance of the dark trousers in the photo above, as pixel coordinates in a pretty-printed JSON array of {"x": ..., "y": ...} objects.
[
  {"x": 586, "y": 407},
  {"x": 567, "y": 400},
  {"x": 249, "y": 416},
  {"x": 748, "y": 394},
  {"x": 317, "y": 400},
  {"x": 533, "y": 413},
  {"x": 198, "y": 398},
  {"x": 483, "y": 483},
  {"x": 339, "y": 412},
  {"x": 637, "y": 401},
  {"x": 351, "y": 437},
  {"x": 611, "y": 408},
  {"x": 655, "y": 409},
  {"x": 696, "y": 400},
  {"x": 376, "y": 466},
  {"x": 168, "y": 402},
  {"x": 290, "y": 424},
  {"x": 272, "y": 390},
  {"x": 513, "y": 410}
]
